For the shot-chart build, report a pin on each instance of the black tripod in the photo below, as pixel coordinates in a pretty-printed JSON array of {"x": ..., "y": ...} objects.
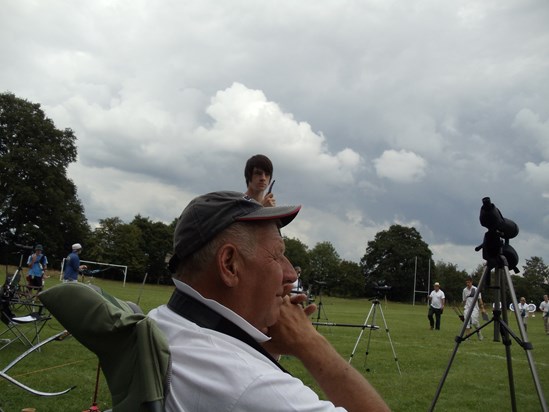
[
  {"x": 499, "y": 256},
  {"x": 320, "y": 307},
  {"x": 372, "y": 326}
]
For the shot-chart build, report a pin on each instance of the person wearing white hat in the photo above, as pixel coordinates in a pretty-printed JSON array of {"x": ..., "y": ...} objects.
[
  {"x": 436, "y": 306},
  {"x": 72, "y": 264}
]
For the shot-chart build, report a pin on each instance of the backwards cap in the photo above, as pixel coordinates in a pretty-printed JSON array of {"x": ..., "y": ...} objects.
[{"x": 208, "y": 215}]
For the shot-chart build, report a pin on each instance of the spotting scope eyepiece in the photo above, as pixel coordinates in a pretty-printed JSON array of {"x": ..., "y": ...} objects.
[{"x": 492, "y": 219}]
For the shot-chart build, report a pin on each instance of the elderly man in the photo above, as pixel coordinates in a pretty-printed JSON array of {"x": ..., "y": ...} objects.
[{"x": 231, "y": 313}]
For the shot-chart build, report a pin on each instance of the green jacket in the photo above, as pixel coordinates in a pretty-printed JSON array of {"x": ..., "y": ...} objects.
[{"x": 132, "y": 351}]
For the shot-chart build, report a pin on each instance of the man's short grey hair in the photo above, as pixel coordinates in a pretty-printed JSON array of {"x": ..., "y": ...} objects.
[{"x": 242, "y": 234}]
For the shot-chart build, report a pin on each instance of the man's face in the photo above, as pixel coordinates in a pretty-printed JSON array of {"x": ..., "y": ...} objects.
[
  {"x": 268, "y": 276},
  {"x": 260, "y": 180},
  {"x": 38, "y": 251},
  {"x": 468, "y": 283}
]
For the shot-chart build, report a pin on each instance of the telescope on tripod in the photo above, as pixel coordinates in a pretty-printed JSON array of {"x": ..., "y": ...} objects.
[
  {"x": 500, "y": 256},
  {"x": 381, "y": 289}
]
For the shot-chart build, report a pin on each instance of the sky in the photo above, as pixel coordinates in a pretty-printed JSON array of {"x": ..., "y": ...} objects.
[{"x": 374, "y": 112}]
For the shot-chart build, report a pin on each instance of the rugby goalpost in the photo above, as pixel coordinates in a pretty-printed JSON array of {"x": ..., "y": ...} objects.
[
  {"x": 416, "y": 291},
  {"x": 125, "y": 268}
]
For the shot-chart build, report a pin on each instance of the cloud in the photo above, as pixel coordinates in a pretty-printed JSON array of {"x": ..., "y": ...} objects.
[
  {"x": 437, "y": 105},
  {"x": 401, "y": 166},
  {"x": 536, "y": 130}
]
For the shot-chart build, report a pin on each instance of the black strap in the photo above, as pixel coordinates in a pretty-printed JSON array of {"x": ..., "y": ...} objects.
[
  {"x": 473, "y": 291},
  {"x": 197, "y": 312}
]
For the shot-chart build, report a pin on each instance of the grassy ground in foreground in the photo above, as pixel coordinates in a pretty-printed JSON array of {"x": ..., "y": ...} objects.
[{"x": 477, "y": 379}]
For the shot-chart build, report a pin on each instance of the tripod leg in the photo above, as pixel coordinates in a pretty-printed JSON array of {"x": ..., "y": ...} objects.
[
  {"x": 361, "y": 332},
  {"x": 459, "y": 338},
  {"x": 507, "y": 341},
  {"x": 526, "y": 345},
  {"x": 390, "y": 341},
  {"x": 367, "y": 351}
]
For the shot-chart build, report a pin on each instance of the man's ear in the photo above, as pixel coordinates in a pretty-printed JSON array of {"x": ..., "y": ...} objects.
[{"x": 228, "y": 260}]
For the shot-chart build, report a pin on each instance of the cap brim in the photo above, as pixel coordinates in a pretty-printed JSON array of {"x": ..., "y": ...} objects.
[{"x": 283, "y": 213}]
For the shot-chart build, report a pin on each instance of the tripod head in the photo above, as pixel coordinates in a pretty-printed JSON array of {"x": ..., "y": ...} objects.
[
  {"x": 495, "y": 245},
  {"x": 23, "y": 248},
  {"x": 380, "y": 288}
]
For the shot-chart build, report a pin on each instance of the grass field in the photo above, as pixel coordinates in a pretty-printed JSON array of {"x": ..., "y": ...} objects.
[{"x": 477, "y": 379}]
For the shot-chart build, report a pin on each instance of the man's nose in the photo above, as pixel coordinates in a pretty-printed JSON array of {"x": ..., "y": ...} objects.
[{"x": 290, "y": 275}]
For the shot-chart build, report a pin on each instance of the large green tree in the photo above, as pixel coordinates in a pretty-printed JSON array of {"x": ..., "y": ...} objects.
[
  {"x": 324, "y": 266},
  {"x": 155, "y": 243},
  {"x": 38, "y": 202},
  {"x": 118, "y": 243},
  {"x": 350, "y": 282},
  {"x": 298, "y": 253},
  {"x": 536, "y": 273},
  {"x": 392, "y": 257},
  {"x": 452, "y": 281}
]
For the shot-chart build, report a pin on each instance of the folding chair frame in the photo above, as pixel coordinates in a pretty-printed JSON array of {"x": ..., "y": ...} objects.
[
  {"x": 20, "y": 326},
  {"x": 3, "y": 372}
]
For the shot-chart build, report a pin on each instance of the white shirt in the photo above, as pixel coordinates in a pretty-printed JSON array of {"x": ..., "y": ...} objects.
[
  {"x": 544, "y": 307},
  {"x": 212, "y": 371},
  {"x": 468, "y": 296},
  {"x": 436, "y": 298},
  {"x": 523, "y": 309}
]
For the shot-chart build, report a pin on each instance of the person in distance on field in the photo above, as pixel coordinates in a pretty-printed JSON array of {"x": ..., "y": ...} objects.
[
  {"x": 468, "y": 295},
  {"x": 38, "y": 265},
  {"x": 436, "y": 306},
  {"x": 523, "y": 312},
  {"x": 72, "y": 264},
  {"x": 544, "y": 307}
]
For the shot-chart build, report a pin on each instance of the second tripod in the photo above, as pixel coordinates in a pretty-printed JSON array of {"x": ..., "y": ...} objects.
[{"x": 372, "y": 326}]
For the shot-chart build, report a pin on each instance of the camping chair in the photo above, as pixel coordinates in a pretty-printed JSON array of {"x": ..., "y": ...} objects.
[
  {"x": 25, "y": 329},
  {"x": 133, "y": 353}
]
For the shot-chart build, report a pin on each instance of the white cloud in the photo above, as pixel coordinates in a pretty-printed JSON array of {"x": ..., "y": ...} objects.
[
  {"x": 169, "y": 102},
  {"x": 538, "y": 174},
  {"x": 529, "y": 123},
  {"x": 401, "y": 166}
]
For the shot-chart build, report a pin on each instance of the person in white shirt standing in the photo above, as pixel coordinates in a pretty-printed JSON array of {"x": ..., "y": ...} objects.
[
  {"x": 544, "y": 307},
  {"x": 436, "y": 306},
  {"x": 468, "y": 296},
  {"x": 523, "y": 312}
]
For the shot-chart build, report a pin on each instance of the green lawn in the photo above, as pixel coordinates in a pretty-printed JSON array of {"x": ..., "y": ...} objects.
[{"x": 477, "y": 379}]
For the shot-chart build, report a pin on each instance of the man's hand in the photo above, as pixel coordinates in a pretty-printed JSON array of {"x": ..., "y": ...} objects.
[
  {"x": 293, "y": 329},
  {"x": 294, "y": 334}
]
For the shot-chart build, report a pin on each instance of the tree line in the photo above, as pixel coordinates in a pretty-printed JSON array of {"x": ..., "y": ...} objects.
[{"x": 39, "y": 204}]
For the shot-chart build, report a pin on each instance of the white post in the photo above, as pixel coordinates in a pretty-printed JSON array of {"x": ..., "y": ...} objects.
[
  {"x": 428, "y": 280},
  {"x": 415, "y": 277}
]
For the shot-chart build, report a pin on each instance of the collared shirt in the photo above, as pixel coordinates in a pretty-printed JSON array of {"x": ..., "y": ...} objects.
[
  {"x": 37, "y": 268},
  {"x": 212, "y": 371},
  {"x": 544, "y": 307},
  {"x": 72, "y": 267},
  {"x": 436, "y": 298},
  {"x": 468, "y": 295}
]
